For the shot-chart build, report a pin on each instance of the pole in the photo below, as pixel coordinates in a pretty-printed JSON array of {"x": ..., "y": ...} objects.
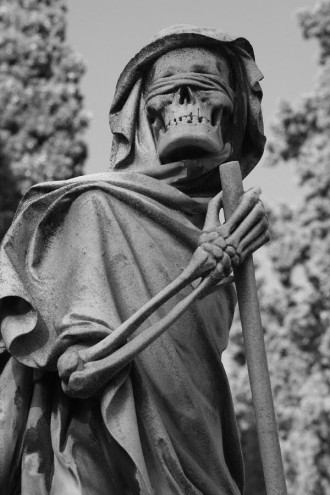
[{"x": 232, "y": 187}]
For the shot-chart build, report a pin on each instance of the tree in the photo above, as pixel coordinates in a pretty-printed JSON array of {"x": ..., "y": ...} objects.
[
  {"x": 41, "y": 115},
  {"x": 295, "y": 300}
]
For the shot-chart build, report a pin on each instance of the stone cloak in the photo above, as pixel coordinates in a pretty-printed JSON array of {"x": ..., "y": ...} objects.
[{"x": 81, "y": 256}]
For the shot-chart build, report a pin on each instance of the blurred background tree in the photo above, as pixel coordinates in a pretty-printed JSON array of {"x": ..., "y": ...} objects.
[
  {"x": 41, "y": 106},
  {"x": 41, "y": 138},
  {"x": 294, "y": 287}
]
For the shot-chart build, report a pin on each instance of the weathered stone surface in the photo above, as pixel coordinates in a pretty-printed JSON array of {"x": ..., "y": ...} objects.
[{"x": 116, "y": 343}]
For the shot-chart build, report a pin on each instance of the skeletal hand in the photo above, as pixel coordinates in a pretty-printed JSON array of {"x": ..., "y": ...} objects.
[
  {"x": 228, "y": 244},
  {"x": 221, "y": 247}
]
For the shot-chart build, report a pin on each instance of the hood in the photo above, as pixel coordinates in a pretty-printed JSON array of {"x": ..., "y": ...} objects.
[{"x": 133, "y": 147}]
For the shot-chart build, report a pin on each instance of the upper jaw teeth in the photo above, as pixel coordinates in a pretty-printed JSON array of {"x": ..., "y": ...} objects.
[{"x": 187, "y": 119}]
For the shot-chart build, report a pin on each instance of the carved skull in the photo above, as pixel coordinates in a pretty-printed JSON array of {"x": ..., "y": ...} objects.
[{"x": 189, "y": 104}]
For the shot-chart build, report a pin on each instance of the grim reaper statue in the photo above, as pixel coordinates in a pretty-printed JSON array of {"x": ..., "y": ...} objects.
[{"x": 116, "y": 293}]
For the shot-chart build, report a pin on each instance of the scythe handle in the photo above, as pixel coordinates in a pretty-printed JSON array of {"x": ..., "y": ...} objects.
[{"x": 232, "y": 187}]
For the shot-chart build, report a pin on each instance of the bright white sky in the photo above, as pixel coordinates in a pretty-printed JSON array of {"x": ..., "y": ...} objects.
[{"x": 109, "y": 32}]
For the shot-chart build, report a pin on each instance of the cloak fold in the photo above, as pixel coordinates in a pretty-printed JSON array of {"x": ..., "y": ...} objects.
[{"x": 82, "y": 256}]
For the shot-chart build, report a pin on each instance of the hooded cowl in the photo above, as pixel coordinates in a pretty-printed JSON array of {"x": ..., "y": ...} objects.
[
  {"x": 79, "y": 259},
  {"x": 133, "y": 146}
]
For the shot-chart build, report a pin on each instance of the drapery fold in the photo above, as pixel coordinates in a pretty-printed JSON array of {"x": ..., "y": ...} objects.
[
  {"x": 81, "y": 257},
  {"x": 89, "y": 252},
  {"x": 133, "y": 147}
]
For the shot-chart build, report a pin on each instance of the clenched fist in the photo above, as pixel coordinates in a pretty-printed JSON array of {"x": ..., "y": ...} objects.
[{"x": 228, "y": 244}]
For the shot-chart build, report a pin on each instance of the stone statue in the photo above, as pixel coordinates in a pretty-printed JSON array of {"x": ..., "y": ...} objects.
[{"x": 113, "y": 382}]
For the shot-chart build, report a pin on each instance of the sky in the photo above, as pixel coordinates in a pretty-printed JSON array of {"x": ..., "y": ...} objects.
[{"x": 107, "y": 33}]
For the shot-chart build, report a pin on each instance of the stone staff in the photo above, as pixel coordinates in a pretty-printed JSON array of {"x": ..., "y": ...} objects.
[{"x": 232, "y": 188}]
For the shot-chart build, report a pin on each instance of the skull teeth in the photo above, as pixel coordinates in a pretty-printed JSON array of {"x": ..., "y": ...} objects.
[{"x": 187, "y": 119}]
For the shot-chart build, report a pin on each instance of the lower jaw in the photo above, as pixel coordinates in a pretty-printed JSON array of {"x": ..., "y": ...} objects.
[{"x": 189, "y": 142}]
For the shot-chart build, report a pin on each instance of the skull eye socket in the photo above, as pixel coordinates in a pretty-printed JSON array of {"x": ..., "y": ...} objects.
[
  {"x": 216, "y": 116},
  {"x": 226, "y": 116},
  {"x": 153, "y": 109},
  {"x": 151, "y": 114}
]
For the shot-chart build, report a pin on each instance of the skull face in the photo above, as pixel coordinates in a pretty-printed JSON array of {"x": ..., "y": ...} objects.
[{"x": 189, "y": 104}]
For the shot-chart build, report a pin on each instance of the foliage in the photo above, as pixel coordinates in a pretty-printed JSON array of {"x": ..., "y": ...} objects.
[
  {"x": 41, "y": 116},
  {"x": 295, "y": 300}
]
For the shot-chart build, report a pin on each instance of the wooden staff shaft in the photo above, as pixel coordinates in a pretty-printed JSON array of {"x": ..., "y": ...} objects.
[{"x": 256, "y": 358}]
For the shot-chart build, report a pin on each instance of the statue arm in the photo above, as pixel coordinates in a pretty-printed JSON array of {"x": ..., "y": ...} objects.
[{"x": 84, "y": 371}]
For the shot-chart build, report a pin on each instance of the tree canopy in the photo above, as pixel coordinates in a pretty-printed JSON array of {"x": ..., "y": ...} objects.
[
  {"x": 41, "y": 106},
  {"x": 294, "y": 299}
]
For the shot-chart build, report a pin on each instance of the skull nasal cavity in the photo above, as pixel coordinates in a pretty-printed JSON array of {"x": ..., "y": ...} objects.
[{"x": 186, "y": 95}]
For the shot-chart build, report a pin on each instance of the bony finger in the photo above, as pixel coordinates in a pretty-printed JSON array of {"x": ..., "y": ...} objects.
[
  {"x": 267, "y": 236},
  {"x": 257, "y": 230},
  {"x": 258, "y": 213},
  {"x": 216, "y": 201},
  {"x": 219, "y": 273},
  {"x": 215, "y": 287},
  {"x": 262, "y": 208},
  {"x": 216, "y": 251},
  {"x": 207, "y": 237},
  {"x": 230, "y": 251},
  {"x": 247, "y": 225},
  {"x": 255, "y": 244},
  {"x": 234, "y": 255},
  {"x": 247, "y": 202},
  {"x": 235, "y": 260},
  {"x": 223, "y": 230},
  {"x": 68, "y": 362},
  {"x": 255, "y": 190},
  {"x": 264, "y": 223},
  {"x": 262, "y": 203},
  {"x": 223, "y": 268},
  {"x": 251, "y": 197},
  {"x": 213, "y": 210},
  {"x": 219, "y": 241},
  {"x": 213, "y": 236}
]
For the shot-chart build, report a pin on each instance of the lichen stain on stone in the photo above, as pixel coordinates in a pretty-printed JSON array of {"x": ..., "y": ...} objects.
[
  {"x": 49, "y": 227},
  {"x": 38, "y": 441},
  {"x": 18, "y": 399},
  {"x": 119, "y": 258}
]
